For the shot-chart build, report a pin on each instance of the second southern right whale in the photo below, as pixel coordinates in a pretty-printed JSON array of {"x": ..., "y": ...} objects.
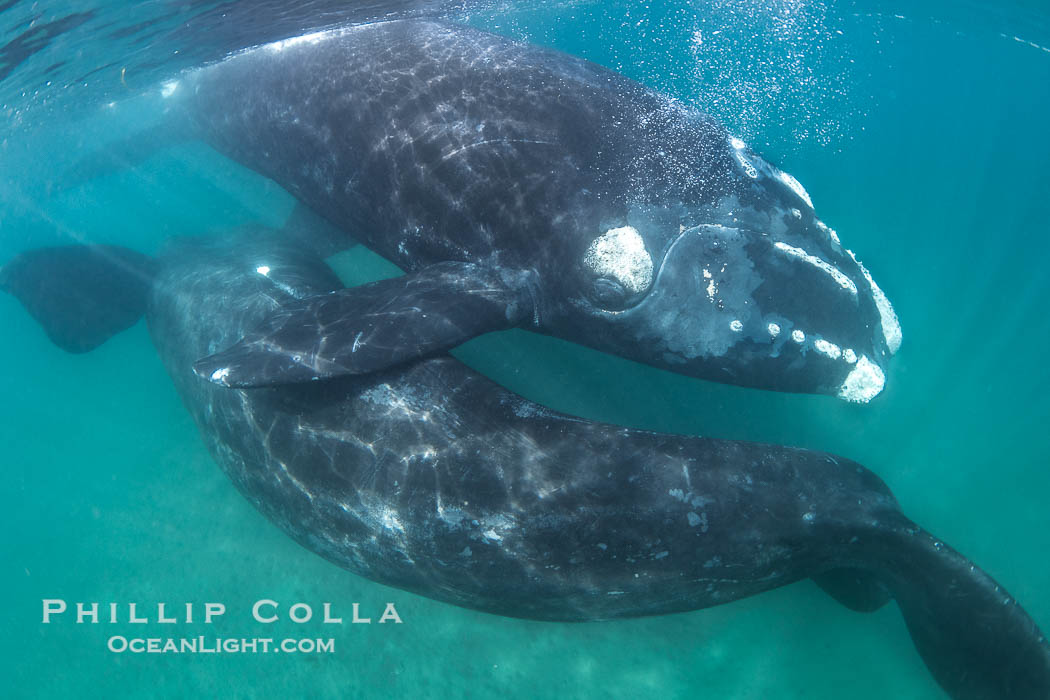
[
  {"x": 431, "y": 478},
  {"x": 520, "y": 186}
]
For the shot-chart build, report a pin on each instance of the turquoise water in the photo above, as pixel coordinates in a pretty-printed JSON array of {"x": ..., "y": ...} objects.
[{"x": 920, "y": 134}]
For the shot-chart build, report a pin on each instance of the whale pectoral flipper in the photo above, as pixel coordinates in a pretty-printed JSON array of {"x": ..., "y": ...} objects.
[
  {"x": 81, "y": 294},
  {"x": 375, "y": 326}
]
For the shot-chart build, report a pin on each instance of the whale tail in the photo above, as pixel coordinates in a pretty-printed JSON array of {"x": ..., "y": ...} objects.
[
  {"x": 977, "y": 641},
  {"x": 80, "y": 294}
]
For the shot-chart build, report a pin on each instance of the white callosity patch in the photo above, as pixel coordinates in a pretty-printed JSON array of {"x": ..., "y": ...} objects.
[
  {"x": 849, "y": 356},
  {"x": 220, "y": 375},
  {"x": 891, "y": 327},
  {"x": 798, "y": 336},
  {"x": 712, "y": 288},
  {"x": 263, "y": 270},
  {"x": 620, "y": 254},
  {"x": 736, "y": 326},
  {"x": 792, "y": 184},
  {"x": 749, "y": 169},
  {"x": 863, "y": 383},
  {"x": 795, "y": 186},
  {"x": 830, "y": 232},
  {"x": 830, "y": 349},
  {"x": 738, "y": 151},
  {"x": 774, "y": 330},
  {"x": 835, "y": 273}
]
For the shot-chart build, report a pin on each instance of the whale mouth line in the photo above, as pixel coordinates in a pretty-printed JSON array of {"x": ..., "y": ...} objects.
[
  {"x": 663, "y": 263},
  {"x": 670, "y": 248}
]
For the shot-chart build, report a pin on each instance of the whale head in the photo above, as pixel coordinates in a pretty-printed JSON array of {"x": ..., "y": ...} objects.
[{"x": 743, "y": 286}]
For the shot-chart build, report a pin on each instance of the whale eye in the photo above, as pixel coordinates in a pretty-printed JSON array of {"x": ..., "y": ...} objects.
[{"x": 620, "y": 265}]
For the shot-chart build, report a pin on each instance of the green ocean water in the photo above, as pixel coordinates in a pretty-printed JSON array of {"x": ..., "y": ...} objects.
[{"x": 923, "y": 141}]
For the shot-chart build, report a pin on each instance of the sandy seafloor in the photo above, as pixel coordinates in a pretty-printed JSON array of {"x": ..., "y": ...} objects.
[{"x": 934, "y": 171}]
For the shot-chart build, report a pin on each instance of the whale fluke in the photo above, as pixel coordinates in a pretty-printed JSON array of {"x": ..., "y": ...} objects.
[
  {"x": 977, "y": 641},
  {"x": 81, "y": 294}
]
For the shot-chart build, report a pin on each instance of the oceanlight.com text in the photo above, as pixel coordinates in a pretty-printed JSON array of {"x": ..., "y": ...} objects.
[{"x": 119, "y": 644}]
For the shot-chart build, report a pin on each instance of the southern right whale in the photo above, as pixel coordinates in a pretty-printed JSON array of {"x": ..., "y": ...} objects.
[
  {"x": 431, "y": 478},
  {"x": 520, "y": 186}
]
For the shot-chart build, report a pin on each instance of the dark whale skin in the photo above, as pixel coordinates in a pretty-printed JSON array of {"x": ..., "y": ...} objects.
[
  {"x": 433, "y": 479},
  {"x": 624, "y": 219}
]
